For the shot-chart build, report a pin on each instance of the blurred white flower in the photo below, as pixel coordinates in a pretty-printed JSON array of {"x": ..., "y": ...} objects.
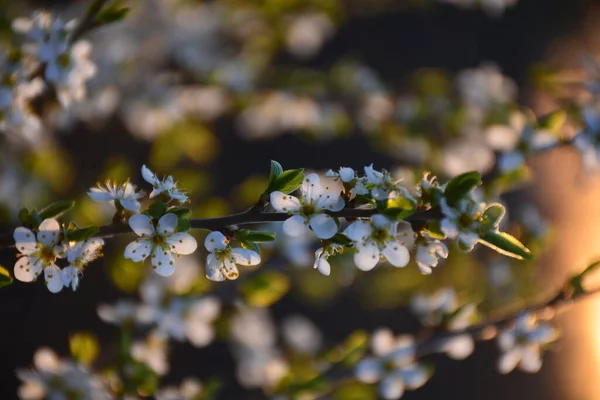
[
  {"x": 152, "y": 352},
  {"x": 522, "y": 344},
  {"x": 123, "y": 311},
  {"x": 189, "y": 389},
  {"x": 301, "y": 334},
  {"x": 56, "y": 379},
  {"x": 392, "y": 365},
  {"x": 306, "y": 34}
]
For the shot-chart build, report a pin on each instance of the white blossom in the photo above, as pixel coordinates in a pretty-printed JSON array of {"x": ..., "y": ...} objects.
[
  {"x": 222, "y": 259},
  {"x": 167, "y": 185},
  {"x": 522, "y": 344},
  {"x": 392, "y": 365},
  {"x": 189, "y": 389},
  {"x": 79, "y": 255},
  {"x": 153, "y": 353},
  {"x": 39, "y": 254},
  {"x": 380, "y": 238},
  {"x": 462, "y": 221},
  {"x": 123, "y": 311},
  {"x": 302, "y": 334},
  {"x": 162, "y": 244},
  {"x": 351, "y": 182},
  {"x": 428, "y": 253},
  {"x": 56, "y": 379},
  {"x": 112, "y": 192},
  {"x": 309, "y": 209},
  {"x": 383, "y": 186}
]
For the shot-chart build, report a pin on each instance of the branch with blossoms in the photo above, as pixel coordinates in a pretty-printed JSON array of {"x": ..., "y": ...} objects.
[
  {"x": 377, "y": 207},
  {"x": 396, "y": 363}
]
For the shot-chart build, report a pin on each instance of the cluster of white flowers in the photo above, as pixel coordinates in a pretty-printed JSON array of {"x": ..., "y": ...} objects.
[
  {"x": 40, "y": 253},
  {"x": 523, "y": 342},
  {"x": 392, "y": 364},
  {"x": 53, "y": 378}
]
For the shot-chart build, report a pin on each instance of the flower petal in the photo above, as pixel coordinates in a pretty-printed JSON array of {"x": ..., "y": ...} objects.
[
  {"x": 509, "y": 360},
  {"x": 311, "y": 188},
  {"x": 531, "y": 360},
  {"x": 346, "y": 174},
  {"x": 391, "y": 388},
  {"x": 138, "y": 250},
  {"x": 284, "y": 202},
  {"x": 163, "y": 261},
  {"x": 167, "y": 224},
  {"x": 368, "y": 370},
  {"x": 213, "y": 268},
  {"x": 27, "y": 268},
  {"x": 25, "y": 240},
  {"x": 295, "y": 225},
  {"x": 358, "y": 230},
  {"x": 382, "y": 222},
  {"x": 245, "y": 257},
  {"x": 53, "y": 278},
  {"x": 49, "y": 232},
  {"x": 330, "y": 202},
  {"x": 323, "y": 225},
  {"x": 367, "y": 257},
  {"x": 182, "y": 243},
  {"x": 149, "y": 176},
  {"x": 130, "y": 204},
  {"x": 323, "y": 266},
  {"x": 382, "y": 342},
  {"x": 405, "y": 234},
  {"x": 215, "y": 240},
  {"x": 142, "y": 225},
  {"x": 98, "y": 194},
  {"x": 396, "y": 254},
  {"x": 229, "y": 269}
]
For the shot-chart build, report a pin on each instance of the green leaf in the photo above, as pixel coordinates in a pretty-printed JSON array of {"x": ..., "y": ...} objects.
[
  {"x": 35, "y": 219},
  {"x": 576, "y": 281},
  {"x": 184, "y": 225},
  {"x": 287, "y": 181},
  {"x": 434, "y": 230},
  {"x": 157, "y": 210},
  {"x": 350, "y": 350},
  {"x": 56, "y": 209},
  {"x": 84, "y": 347},
  {"x": 553, "y": 122},
  {"x": 255, "y": 236},
  {"x": 461, "y": 185},
  {"x": 506, "y": 244},
  {"x": 110, "y": 14},
  {"x": 25, "y": 216},
  {"x": 5, "y": 278},
  {"x": 79, "y": 235},
  {"x": 276, "y": 170},
  {"x": 492, "y": 215},
  {"x": 265, "y": 289},
  {"x": 340, "y": 238},
  {"x": 180, "y": 211},
  {"x": 250, "y": 246}
]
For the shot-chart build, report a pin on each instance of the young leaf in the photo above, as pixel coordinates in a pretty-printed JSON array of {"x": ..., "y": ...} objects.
[
  {"x": 340, "y": 238},
  {"x": 461, "y": 185},
  {"x": 80, "y": 235},
  {"x": 25, "y": 216},
  {"x": 112, "y": 13},
  {"x": 493, "y": 215},
  {"x": 553, "y": 122},
  {"x": 184, "y": 212},
  {"x": 276, "y": 170},
  {"x": 250, "y": 246},
  {"x": 434, "y": 230},
  {"x": 576, "y": 281},
  {"x": 184, "y": 225},
  {"x": 56, "y": 209},
  {"x": 287, "y": 181},
  {"x": 5, "y": 278},
  {"x": 255, "y": 236},
  {"x": 506, "y": 244},
  {"x": 157, "y": 210}
]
